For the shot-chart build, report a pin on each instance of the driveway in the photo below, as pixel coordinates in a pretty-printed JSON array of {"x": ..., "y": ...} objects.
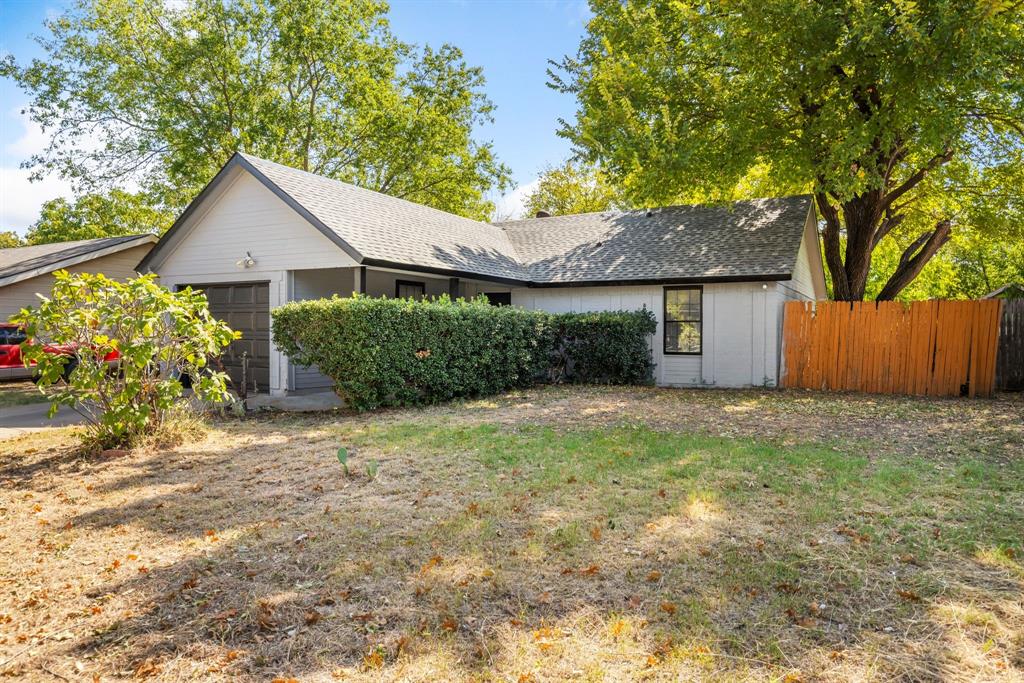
[{"x": 17, "y": 420}]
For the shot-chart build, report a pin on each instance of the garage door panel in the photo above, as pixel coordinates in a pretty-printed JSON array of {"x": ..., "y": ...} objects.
[{"x": 245, "y": 308}]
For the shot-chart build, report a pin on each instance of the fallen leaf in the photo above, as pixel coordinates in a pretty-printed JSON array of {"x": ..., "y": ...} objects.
[
  {"x": 595, "y": 533},
  {"x": 311, "y": 617},
  {"x": 590, "y": 571},
  {"x": 668, "y": 607},
  {"x": 654, "y": 575},
  {"x": 146, "y": 668},
  {"x": 909, "y": 595},
  {"x": 449, "y": 625}
]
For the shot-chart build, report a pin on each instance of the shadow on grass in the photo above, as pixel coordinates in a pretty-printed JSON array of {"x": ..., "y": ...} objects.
[{"x": 514, "y": 551}]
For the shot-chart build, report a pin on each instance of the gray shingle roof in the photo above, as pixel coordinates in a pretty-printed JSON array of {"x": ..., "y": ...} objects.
[
  {"x": 756, "y": 238},
  {"x": 46, "y": 257},
  {"x": 386, "y": 228}
]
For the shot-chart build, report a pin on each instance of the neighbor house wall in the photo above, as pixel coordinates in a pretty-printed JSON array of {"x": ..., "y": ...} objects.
[
  {"x": 118, "y": 266},
  {"x": 738, "y": 345}
]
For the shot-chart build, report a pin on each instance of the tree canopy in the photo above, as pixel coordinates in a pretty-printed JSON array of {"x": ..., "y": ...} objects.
[
  {"x": 572, "y": 188},
  {"x": 905, "y": 119},
  {"x": 97, "y": 215},
  {"x": 10, "y": 239},
  {"x": 161, "y": 94}
]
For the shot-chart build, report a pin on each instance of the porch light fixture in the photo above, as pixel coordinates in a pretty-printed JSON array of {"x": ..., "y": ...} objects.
[{"x": 247, "y": 262}]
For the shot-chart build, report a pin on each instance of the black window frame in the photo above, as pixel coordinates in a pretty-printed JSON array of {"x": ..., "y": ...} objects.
[
  {"x": 410, "y": 283},
  {"x": 665, "y": 321}
]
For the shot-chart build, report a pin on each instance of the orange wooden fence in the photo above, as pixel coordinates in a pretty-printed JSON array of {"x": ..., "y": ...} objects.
[{"x": 927, "y": 348}]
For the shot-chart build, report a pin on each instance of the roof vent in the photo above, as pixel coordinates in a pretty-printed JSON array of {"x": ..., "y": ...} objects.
[{"x": 542, "y": 214}]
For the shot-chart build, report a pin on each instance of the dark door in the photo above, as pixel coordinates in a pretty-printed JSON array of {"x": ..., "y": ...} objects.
[{"x": 245, "y": 307}]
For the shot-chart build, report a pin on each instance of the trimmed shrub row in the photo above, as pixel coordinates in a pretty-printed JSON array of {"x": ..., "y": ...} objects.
[{"x": 388, "y": 352}]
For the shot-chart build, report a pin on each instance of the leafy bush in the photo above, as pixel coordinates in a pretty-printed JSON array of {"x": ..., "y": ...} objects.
[
  {"x": 160, "y": 335},
  {"x": 382, "y": 352},
  {"x": 602, "y": 348},
  {"x": 404, "y": 352}
]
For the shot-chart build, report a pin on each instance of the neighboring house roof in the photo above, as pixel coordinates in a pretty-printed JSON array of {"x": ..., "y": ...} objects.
[
  {"x": 1013, "y": 290},
  {"x": 23, "y": 263},
  {"x": 750, "y": 240},
  {"x": 757, "y": 239}
]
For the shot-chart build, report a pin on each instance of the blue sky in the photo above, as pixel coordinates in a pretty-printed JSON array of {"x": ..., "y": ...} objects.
[{"x": 511, "y": 39}]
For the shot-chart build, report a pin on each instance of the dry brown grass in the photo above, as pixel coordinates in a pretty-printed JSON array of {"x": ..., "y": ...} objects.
[{"x": 561, "y": 534}]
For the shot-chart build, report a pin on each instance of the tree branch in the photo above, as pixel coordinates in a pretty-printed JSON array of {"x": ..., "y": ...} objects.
[
  {"x": 914, "y": 258},
  {"x": 911, "y": 182},
  {"x": 833, "y": 255}
]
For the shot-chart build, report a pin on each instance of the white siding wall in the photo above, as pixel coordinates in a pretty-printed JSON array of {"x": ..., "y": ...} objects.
[
  {"x": 739, "y": 342},
  {"x": 247, "y": 217},
  {"x": 119, "y": 266}
]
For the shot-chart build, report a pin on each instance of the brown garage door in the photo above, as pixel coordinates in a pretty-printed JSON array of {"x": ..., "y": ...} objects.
[{"x": 245, "y": 307}]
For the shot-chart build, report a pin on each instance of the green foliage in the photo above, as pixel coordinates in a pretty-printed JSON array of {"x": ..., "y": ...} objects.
[
  {"x": 602, "y": 348},
  {"x": 98, "y": 215},
  {"x": 173, "y": 89},
  {"x": 405, "y": 352},
  {"x": 343, "y": 459},
  {"x": 572, "y": 188},
  {"x": 383, "y": 352},
  {"x": 899, "y": 116},
  {"x": 159, "y": 334},
  {"x": 10, "y": 239},
  {"x": 371, "y": 469}
]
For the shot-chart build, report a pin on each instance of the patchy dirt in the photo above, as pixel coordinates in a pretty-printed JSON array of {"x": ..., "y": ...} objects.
[{"x": 537, "y": 536}]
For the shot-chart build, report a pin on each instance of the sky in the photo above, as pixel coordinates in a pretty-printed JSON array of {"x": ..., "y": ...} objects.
[{"x": 512, "y": 40}]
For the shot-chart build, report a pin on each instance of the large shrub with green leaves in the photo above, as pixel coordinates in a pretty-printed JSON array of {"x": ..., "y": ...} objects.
[
  {"x": 602, "y": 347},
  {"x": 159, "y": 335},
  {"x": 383, "y": 352}
]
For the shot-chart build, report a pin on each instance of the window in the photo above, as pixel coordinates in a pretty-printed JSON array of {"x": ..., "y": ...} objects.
[
  {"x": 682, "y": 320},
  {"x": 499, "y": 298},
  {"x": 407, "y": 289},
  {"x": 12, "y": 335}
]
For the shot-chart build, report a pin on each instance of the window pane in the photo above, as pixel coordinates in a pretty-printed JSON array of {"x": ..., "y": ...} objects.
[
  {"x": 682, "y": 304},
  {"x": 682, "y": 337}
]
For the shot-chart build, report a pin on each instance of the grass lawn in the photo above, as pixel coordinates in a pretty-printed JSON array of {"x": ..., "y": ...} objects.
[
  {"x": 560, "y": 534},
  {"x": 19, "y": 393}
]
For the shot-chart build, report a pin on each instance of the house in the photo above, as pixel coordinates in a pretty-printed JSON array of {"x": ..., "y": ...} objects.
[
  {"x": 26, "y": 272},
  {"x": 1013, "y": 290},
  {"x": 262, "y": 234}
]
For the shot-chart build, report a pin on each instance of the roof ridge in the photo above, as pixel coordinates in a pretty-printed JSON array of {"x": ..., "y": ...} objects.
[{"x": 705, "y": 205}]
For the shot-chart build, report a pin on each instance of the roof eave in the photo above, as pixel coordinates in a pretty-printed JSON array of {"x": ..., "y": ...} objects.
[
  {"x": 697, "y": 280},
  {"x": 75, "y": 260}
]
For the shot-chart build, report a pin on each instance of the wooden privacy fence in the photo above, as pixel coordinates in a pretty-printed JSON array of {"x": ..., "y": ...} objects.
[
  {"x": 1010, "y": 362},
  {"x": 928, "y": 348}
]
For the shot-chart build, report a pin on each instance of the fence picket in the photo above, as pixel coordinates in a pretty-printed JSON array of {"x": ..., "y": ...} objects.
[{"x": 929, "y": 348}]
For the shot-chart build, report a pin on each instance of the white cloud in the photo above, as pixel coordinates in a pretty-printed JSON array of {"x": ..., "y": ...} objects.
[
  {"x": 512, "y": 205},
  {"x": 20, "y": 200}
]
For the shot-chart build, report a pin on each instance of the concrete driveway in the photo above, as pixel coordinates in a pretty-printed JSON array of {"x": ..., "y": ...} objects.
[{"x": 17, "y": 420}]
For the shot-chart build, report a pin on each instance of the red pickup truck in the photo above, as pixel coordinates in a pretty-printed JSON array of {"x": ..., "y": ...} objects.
[{"x": 11, "y": 364}]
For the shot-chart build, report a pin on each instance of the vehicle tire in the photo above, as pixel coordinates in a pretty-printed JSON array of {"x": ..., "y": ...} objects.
[{"x": 69, "y": 367}]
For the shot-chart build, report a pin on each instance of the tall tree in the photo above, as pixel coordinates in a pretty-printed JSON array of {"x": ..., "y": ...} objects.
[
  {"x": 97, "y": 215},
  {"x": 9, "y": 239},
  {"x": 876, "y": 107},
  {"x": 572, "y": 188},
  {"x": 161, "y": 94}
]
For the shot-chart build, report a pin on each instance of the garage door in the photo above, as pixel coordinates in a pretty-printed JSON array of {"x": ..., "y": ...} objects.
[{"x": 245, "y": 307}]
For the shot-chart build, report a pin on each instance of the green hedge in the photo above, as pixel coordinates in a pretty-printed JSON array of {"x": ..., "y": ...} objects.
[
  {"x": 382, "y": 352},
  {"x": 601, "y": 348}
]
